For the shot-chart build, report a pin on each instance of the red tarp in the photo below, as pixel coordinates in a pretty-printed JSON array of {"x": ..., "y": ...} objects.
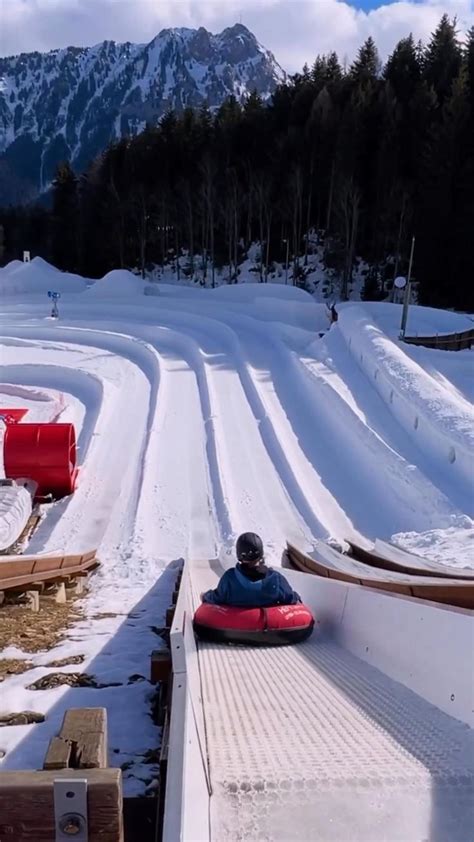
[{"x": 12, "y": 416}]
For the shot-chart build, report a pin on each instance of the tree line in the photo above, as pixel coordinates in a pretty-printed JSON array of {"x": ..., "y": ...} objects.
[{"x": 366, "y": 156}]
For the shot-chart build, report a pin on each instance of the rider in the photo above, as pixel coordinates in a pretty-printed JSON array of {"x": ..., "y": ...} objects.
[{"x": 251, "y": 584}]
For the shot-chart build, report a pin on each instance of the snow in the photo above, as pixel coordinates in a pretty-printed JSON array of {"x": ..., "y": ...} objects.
[
  {"x": 453, "y": 545},
  {"x": 119, "y": 282},
  {"x": 120, "y": 69},
  {"x": 15, "y": 509},
  {"x": 441, "y": 421},
  {"x": 201, "y": 413},
  {"x": 37, "y": 277}
]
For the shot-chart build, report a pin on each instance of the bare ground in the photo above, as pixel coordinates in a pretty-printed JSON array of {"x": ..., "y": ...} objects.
[{"x": 30, "y": 632}]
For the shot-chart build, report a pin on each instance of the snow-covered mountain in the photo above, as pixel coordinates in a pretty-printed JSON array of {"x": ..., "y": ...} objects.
[{"x": 69, "y": 103}]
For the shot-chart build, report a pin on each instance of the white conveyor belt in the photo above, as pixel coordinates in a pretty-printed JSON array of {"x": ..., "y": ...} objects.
[{"x": 312, "y": 743}]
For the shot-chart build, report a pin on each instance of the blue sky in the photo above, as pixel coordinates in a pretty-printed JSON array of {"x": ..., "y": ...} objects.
[
  {"x": 366, "y": 5},
  {"x": 295, "y": 30}
]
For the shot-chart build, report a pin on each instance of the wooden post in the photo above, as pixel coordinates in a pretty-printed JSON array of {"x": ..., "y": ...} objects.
[
  {"x": 56, "y": 592},
  {"x": 27, "y": 805},
  {"x": 82, "y": 741},
  {"x": 160, "y": 667},
  {"x": 163, "y": 773},
  {"x": 32, "y": 600}
]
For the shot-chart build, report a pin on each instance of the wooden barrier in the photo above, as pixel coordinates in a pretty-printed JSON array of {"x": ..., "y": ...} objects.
[
  {"x": 64, "y": 800},
  {"x": 333, "y": 565},
  {"x": 27, "y": 805},
  {"x": 444, "y": 341},
  {"x": 21, "y": 577}
]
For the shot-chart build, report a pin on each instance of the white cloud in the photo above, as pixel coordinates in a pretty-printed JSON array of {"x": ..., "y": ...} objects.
[{"x": 295, "y": 30}]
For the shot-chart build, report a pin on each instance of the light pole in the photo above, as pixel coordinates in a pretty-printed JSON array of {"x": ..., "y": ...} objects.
[
  {"x": 406, "y": 300},
  {"x": 287, "y": 258}
]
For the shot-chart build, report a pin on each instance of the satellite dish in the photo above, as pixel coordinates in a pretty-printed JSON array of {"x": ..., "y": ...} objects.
[{"x": 400, "y": 282}]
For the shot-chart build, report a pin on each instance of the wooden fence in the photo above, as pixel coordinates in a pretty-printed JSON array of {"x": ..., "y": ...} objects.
[{"x": 444, "y": 341}]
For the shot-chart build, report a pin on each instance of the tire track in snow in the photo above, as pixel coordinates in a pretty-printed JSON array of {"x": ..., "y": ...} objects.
[
  {"x": 187, "y": 482},
  {"x": 303, "y": 419},
  {"x": 288, "y": 501},
  {"x": 103, "y": 508}
]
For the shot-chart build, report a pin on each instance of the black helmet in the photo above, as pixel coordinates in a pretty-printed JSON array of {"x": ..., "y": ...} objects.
[{"x": 249, "y": 547}]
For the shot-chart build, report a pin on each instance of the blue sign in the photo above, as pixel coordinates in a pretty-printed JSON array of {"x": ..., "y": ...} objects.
[{"x": 54, "y": 295}]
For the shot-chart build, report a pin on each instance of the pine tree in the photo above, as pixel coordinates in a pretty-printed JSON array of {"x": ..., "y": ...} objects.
[
  {"x": 469, "y": 60},
  {"x": 443, "y": 58},
  {"x": 65, "y": 218},
  {"x": 318, "y": 70},
  {"x": 403, "y": 69},
  {"x": 333, "y": 70},
  {"x": 367, "y": 64},
  {"x": 446, "y": 212}
]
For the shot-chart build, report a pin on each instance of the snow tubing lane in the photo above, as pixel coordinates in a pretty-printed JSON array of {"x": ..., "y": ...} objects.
[{"x": 278, "y": 625}]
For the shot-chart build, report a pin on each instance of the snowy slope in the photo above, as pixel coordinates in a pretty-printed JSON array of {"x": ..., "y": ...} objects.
[
  {"x": 69, "y": 103},
  {"x": 202, "y": 413}
]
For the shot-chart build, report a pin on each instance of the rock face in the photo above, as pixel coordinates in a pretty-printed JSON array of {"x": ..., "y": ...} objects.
[{"x": 70, "y": 103}]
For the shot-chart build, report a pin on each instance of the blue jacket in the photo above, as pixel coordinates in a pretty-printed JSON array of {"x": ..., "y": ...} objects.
[{"x": 236, "y": 589}]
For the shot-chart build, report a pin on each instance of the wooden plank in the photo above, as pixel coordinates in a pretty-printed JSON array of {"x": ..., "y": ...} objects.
[
  {"x": 87, "y": 728},
  {"x": 456, "y": 592},
  {"x": 18, "y": 567},
  {"x": 15, "y": 581},
  {"x": 58, "y": 557},
  {"x": 58, "y": 755},
  {"x": 45, "y": 563},
  {"x": 84, "y": 731},
  {"x": 407, "y": 563},
  {"x": 27, "y": 805}
]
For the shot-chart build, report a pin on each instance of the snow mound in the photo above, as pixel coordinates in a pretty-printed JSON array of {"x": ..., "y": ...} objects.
[
  {"x": 37, "y": 277},
  {"x": 119, "y": 283},
  {"x": 10, "y": 267}
]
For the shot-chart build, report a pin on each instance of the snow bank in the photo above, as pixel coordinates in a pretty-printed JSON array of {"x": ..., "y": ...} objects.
[
  {"x": 441, "y": 425},
  {"x": 251, "y": 292},
  {"x": 15, "y": 509},
  {"x": 287, "y": 305},
  {"x": 37, "y": 277},
  {"x": 117, "y": 284},
  {"x": 453, "y": 546},
  {"x": 422, "y": 321}
]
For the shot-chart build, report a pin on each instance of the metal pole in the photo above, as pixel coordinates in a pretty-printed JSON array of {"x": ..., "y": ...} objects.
[{"x": 406, "y": 300}]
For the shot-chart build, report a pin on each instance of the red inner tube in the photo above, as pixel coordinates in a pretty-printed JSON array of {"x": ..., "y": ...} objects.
[{"x": 275, "y": 625}]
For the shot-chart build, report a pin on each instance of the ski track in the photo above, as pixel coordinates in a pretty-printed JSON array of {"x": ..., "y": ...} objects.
[{"x": 195, "y": 422}]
